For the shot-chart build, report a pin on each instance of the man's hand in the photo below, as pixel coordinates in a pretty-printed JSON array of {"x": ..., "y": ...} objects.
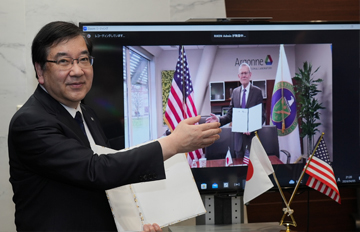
[
  {"x": 189, "y": 137},
  {"x": 212, "y": 118},
  {"x": 152, "y": 228}
]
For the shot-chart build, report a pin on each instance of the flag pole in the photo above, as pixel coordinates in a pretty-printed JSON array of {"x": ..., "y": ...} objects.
[
  {"x": 183, "y": 87},
  {"x": 298, "y": 183},
  {"x": 282, "y": 94},
  {"x": 276, "y": 180},
  {"x": 306, "y": 166},
  {"x": 183, "y": 81},
  {"x": 287, "y": 210}
]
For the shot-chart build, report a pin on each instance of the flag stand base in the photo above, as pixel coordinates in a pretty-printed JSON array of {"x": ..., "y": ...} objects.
[{"x": 287, "y": 228}]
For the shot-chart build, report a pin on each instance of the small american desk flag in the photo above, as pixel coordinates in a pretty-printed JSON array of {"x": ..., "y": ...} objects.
[
  {"x": 181, "y": 104},
  {"x": 246, "y": 158},
  {"x": 322, "y": 177}
]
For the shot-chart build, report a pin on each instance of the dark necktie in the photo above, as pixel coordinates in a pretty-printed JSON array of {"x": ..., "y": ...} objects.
[
  {"x": 79, "y": 121},
  {"x": 243, "y": 100}
]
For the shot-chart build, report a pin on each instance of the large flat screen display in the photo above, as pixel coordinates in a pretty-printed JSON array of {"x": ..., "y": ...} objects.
[{"x": 134, "y": 65}]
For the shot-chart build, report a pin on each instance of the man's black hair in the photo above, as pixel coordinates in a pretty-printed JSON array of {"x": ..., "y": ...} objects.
[{"x": 52, "y": 34}]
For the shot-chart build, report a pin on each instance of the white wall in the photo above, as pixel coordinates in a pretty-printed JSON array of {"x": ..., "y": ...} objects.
[
  {"x": 320, "y": 55},
  {"x": 20, "y": 20}
]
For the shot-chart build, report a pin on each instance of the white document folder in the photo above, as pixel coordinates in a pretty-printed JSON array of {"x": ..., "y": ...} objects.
[
  {"x": 247, "y": 120},
  {"x": 164, "y": 202}
]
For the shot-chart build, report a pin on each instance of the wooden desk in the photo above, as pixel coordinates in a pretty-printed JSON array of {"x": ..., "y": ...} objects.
[
  {"x": 265, "y": 227},
  {"x": 236, "y": 161}
]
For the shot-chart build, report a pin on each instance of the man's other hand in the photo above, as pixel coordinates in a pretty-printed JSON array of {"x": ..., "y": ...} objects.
[
  {"x": 152, "y": 228},
  {"x": 212, "y": 118}
]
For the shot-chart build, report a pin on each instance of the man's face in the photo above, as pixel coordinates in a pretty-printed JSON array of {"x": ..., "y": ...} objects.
[
  {"x": 244, "y": 76},
  {"x": 68, "y": 86}
]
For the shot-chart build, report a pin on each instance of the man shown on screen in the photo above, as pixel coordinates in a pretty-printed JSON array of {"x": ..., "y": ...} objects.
[{"x": 244, "y": 96}]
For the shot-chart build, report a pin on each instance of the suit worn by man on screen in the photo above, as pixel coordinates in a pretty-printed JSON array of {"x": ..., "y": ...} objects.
[{"x": 253, "y": 96}]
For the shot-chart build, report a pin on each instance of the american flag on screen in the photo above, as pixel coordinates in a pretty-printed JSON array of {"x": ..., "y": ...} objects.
[
  {"x": 246, "y": 158},
  {"x": 322, "y": 177},
  {"x": 181, "y": 104}
]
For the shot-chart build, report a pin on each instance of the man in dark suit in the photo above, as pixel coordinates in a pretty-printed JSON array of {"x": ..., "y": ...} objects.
[
  {"x": 58, "y": 182},
  {"x": 244, "y": 96}
]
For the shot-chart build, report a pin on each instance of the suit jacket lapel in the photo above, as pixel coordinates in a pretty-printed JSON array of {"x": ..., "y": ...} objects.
[
  {"x": 236, "y": 96},
  {"x": 250, "y": 97},
  {"x": 55, "y": 108},
  {"x": 70, "y": 121}
]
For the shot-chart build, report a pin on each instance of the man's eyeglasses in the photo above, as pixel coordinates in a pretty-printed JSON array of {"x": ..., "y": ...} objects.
[
  {"x": 83, "y": 61},
  {"x": 244, "y": 73}
]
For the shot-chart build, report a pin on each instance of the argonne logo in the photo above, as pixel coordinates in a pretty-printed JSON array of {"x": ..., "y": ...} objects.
[{"x": 268, "y": 60}]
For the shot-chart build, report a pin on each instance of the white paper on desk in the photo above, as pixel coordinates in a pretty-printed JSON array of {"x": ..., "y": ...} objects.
[
  {"x": 160, "y": 202},
  {"x": 247, "y": 120}
]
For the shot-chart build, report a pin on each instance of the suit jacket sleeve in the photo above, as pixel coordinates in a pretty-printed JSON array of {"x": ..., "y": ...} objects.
[
  {"x": 234, "y": 103},
  {"x": 45, "y": 143},
  {"x": 255, "y": 97}
]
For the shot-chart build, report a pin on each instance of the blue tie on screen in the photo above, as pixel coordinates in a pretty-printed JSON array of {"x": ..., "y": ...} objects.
[
  {"x": 243, "y": 100},
  {"x": 79, "y": 121}
]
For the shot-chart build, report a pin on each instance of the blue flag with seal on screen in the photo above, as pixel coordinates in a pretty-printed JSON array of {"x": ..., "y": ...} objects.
[{"x": 283, "y": 111}]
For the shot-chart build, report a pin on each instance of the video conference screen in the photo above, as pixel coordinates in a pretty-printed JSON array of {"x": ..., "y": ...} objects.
[{"x": 134, "y": 66}]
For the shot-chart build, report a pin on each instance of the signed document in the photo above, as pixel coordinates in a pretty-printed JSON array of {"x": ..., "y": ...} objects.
[
  {"x": 247, "y": 120},
  {"x": 164, "y": 202}
]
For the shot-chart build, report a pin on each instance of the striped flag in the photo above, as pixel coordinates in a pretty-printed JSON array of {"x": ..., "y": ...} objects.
[
  {"x": 246, "y": 158},
  {"x": 322, "y": 177},
  {"x": 180, "y": 103},
  {"x": 283, "y": 110}
]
